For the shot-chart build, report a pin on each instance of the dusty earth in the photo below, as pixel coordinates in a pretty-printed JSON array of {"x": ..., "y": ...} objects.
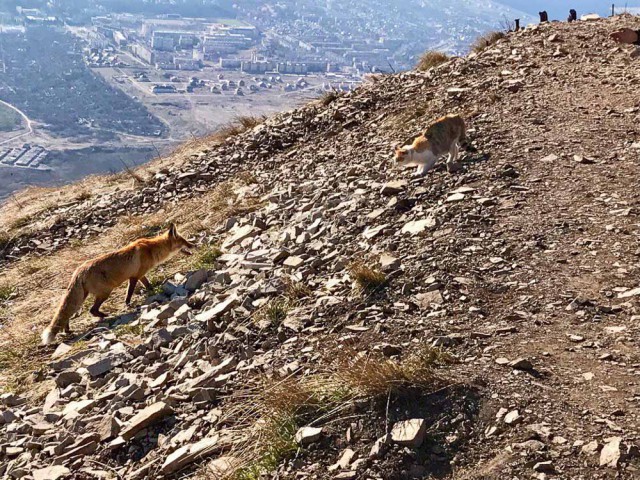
[{"x": 522, "y": 265}]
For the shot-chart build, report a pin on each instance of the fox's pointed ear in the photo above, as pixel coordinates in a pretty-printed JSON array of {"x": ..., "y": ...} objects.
[{"x": 172, "y": 230}]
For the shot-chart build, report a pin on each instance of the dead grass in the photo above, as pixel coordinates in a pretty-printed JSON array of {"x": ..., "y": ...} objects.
[
  {"x": 43, "y": 280},
  {"x": 366, "y": 278},
  {"x": 235, "y": 127},
  {"x": 295, "y": 290},
  {"x": 485, "y": 41},
  {"x": 430, "y": 59},
  {"x": 375, "y": 375},
  {"x": 269, "y": 415},
  {"x": 329, "y": 97}
]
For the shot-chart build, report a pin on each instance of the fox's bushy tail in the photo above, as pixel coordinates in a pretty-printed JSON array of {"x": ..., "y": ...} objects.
[{"x": 71, "y": 303}]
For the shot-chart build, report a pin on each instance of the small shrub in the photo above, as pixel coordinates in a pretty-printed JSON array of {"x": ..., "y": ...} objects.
[
  {"x": 329, "y": 97},
  {"x": 485, "y": 41},
  {"x": 367, "y": 278},
  {"x": 206, "y": 258},
  {"x": 431, "y": 59},
  {"x": 270, "y": 413},
  {"x": 156, "y": 286},
  {"x": 21, "y": 222},
  {"x": 5, "y": 240},
  {"x": 248, "y": 121}
]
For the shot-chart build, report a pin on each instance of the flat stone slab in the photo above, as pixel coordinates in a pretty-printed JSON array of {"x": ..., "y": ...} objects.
[
  {"x": 53, "y": 472},
  {"x": 183, "y": 456},
  {"x": 145, "y": 418},
  {"x": 409, "y": 433},
  {"x": 308, "y": 435}
]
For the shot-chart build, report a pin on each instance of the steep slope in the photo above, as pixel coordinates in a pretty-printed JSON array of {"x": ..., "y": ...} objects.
[{"x": 521, "y": 266}]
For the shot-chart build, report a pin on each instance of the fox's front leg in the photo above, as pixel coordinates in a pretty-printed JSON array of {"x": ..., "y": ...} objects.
[{"x": 145, "y": 281}]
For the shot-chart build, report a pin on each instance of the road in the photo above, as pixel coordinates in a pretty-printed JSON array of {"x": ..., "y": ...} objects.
[{"x": 24, "y": 117}]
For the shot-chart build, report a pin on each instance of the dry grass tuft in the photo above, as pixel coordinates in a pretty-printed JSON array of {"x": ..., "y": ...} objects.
[
  {"x": 376, "y": 375},
  {"x": 329, "y": 97},
  {"x": 485, "y": 41},
  {"x": 233, "y": 128},
  {"x": 366, "y": 278},
  {"x": 431, "y": 59},
  {"x": 295, "y": 290},
  {"x": 269, "y": 415}
]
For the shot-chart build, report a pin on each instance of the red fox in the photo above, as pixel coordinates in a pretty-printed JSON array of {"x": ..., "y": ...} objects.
[
  {"x": 103, "y": 274},
  {"x": 441, "y": 137}
]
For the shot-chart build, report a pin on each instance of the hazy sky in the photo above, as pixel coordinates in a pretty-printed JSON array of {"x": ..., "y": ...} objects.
[{"x": 559, "y": 9}]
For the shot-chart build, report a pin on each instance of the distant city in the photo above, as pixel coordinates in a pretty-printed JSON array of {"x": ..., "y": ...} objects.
[{"x": 94, "y": 86}]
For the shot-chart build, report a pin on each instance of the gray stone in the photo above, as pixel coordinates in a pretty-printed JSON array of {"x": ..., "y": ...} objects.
[
  {"x": 610, "y": 453},
  {"x": 409, "y": 433},
  {"x": 145, "y": 418},
  {"x": 392, "y": 188},
  {"x": 68, "y": 377},
  {"x": 54, "y": 472},
  {"x": 188, "y": 454},
  {"x": 219, "y": 309},
  {"x": 196, "y": 279},
  {"x": 308, "y": 435}
]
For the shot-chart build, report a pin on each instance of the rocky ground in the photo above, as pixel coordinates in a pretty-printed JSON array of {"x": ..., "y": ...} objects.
[{"x": 520, "y": 266}]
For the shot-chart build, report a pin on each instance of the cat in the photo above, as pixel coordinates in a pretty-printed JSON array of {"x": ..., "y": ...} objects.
[{"x": 443, "y": 136}]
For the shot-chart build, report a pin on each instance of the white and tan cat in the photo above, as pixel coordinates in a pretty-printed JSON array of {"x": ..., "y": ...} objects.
[{"x": 443, "y": 136}]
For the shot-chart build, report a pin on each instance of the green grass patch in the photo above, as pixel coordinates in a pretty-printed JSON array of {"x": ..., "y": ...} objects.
[
  {"x": 7, "y": 292},
  {"x": 275, "y": 312},
  {"x": 206, "y": 258}
]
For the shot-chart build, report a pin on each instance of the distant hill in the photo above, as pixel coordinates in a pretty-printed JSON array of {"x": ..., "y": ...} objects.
[{"x": 559, "y": 9}]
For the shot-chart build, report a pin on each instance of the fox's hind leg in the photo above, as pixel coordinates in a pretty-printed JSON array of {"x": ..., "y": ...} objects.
[
  {"x": 145, "y": 281},
  {"x": 95, "y": 310},
  {"x": 132, "y": 286}
]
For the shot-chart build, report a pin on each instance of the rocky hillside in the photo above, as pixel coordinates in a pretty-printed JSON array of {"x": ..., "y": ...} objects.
[{"x": 344, "y": 320}]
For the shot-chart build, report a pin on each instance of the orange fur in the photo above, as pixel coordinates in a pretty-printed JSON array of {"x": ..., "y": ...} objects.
[{"x": 102, "y": 275}]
